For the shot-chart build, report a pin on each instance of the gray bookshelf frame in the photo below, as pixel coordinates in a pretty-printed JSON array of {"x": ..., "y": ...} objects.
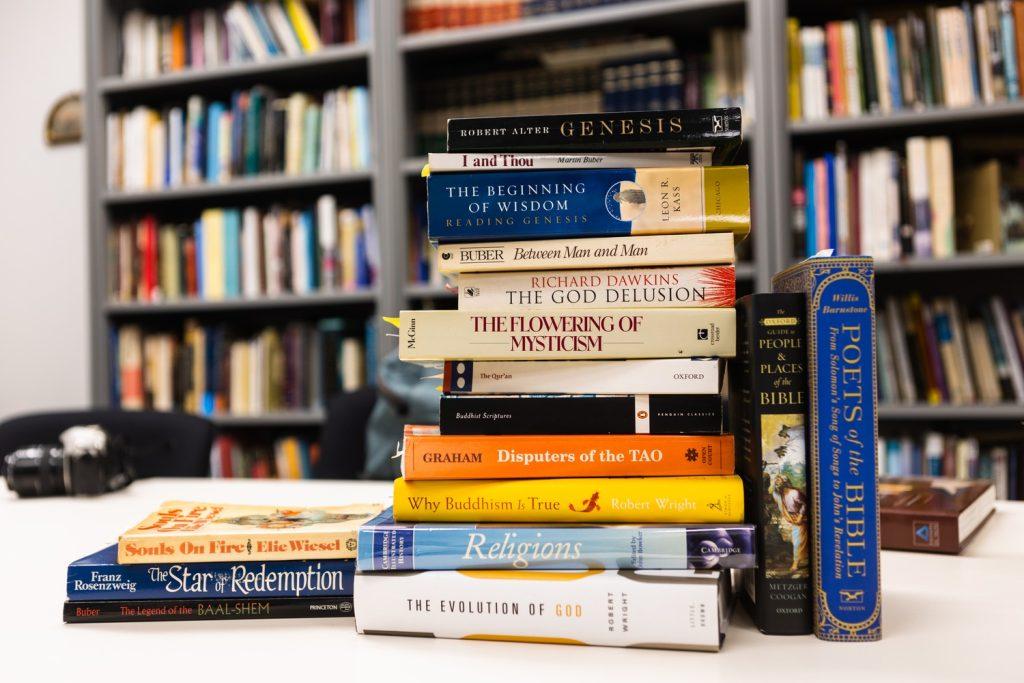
[{"x": 387, "y": 57}]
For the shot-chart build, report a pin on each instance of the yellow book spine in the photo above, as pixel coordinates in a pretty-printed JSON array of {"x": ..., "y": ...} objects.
[
  {"x": 664, "y": 500},
  {"x": 303, "y": 25},
  {"x": 795, "y": 64}
]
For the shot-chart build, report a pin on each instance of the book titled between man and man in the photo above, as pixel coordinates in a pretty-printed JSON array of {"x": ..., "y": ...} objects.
[{"x": 583, "y": 478}]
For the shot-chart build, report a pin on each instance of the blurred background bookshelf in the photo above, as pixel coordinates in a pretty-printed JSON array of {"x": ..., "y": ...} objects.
[{"x": 420, "y": 62}]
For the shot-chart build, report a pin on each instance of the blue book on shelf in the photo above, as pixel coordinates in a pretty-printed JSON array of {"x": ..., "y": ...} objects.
[
  {"x": 213, "y": 115},
  {"x": 263, "y": 26},
  {"x": 842, "y": 435},
  {"x": 810, "y": 210},
  {"x": 895, "y": 85},
  {"x": 232, "y": 252},
  {"x": 113, "y": 367},
  {"x": 830, "y": 190},
  {"x": 370, "y": 352},
  {"x": 362, "y": 20},
  {"x": 362, "y": 261},
  {"x": 308, "y": 219},
  {"x": 893, "y": 459},
  {"x": 1009, "y": 34},
  {"x": 100, "y": 577},
  {"x": 386, "y": 545}
]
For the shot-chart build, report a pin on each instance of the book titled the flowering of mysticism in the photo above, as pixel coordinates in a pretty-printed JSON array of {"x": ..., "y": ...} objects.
[
  {"x": 427, "y": 454},
  {"x": 387, "y": 545},
  {"x": 667, "y": 287},
  {"x": 182, "y": 531},
  {"x": 643, "y": 500},
  {"x": 562, "y": 335},
  {"x": 100, "y": 577},
  {"x": 467, "y": 207},
  {"x": 683, "y": 609},
  {"x": 842, "y": 434},
  {"x": 587, "y": 252}
]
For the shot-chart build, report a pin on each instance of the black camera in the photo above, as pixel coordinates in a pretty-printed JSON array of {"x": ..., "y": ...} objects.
[{"x": 88, "y": 461}]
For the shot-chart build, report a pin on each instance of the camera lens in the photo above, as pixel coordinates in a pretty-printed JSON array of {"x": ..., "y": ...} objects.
[{"x": 36, "y": 471}]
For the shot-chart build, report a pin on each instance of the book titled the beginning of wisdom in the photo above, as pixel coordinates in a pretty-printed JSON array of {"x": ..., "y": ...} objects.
[
  {"x": 600, "y": 333},
  {"x": 665, "y": 287},
  {"x": 683, "y": 609},
  {"x": 647, "y": 500},
  {"x": 589, "y": 252},
  {"x": 842, "y": 433},
  {"x": 182, "y": 531},
  {"x": 389, "y": 546},
  {"x": 426, "y": 454},
  {"x": 466, "y": 207}
]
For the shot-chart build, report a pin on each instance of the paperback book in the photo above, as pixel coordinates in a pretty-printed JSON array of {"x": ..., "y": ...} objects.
[
  {"x": 842, "y": 433},
  {"x": 648, "y": 500},
  {"x": 466, "y": 207},
  {"x": 593, "y": 334},
  {"x": 666, "y": 287},
  {"x": 427, "y": 454},
  {"x": 577, "y": 414},
  {"x": 386, "y": 545},
  {"x": 100, "y": 577},
  {"x": 98, "y": 611},
  {"x": 933, "y": 515},
  {"x": 181, "y": 531},
  {"x": 643, "y": 376}
]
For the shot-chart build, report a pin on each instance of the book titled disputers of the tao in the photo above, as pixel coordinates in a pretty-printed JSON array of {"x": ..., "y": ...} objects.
[{"x": 842, "y": 435}]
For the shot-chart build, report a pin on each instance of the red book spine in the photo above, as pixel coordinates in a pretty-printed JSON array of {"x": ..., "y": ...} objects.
[{"x": 834, "y": 56}]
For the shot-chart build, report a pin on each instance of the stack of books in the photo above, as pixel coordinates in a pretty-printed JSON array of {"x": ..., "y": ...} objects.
[
  {"x": 201, "y": 561},
  {"x": 582, "y": 378}
]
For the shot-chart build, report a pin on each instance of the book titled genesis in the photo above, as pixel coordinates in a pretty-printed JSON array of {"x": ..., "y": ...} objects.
[
  {"x": 684, "y": 609},
  {"x": 467, "y": 207},
  {"x": 769, "y": 392},
  {"x": 100, "y": 577},
  {"x": 386, "y": 545},
  {"x": 842, "y": 433}
]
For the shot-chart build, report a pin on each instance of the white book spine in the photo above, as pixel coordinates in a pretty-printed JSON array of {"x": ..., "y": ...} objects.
[
  {"x": 272, "y": 252},
  {"x": 175, "y": 146},
  {"x": 524, "y": 161},
  {"x": 282, "y": 29},
  {"x": 238, "y": 17},
  {"x": 673, "y": 609},
  {"x": 300, "y": 273},
  {"x": 851, "y": 58},
  {"x": 251, "y": 252},
  {"x": 878, "y": 44},
  {"x": 327, "y": 234}
]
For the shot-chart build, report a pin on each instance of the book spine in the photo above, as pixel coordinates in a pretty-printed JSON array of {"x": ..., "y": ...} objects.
[
  {"x": 695, "y": 287},
  {"x": 593, "y": 334},
  {"x": 243, "y": 580},
  {"x": 397, "y": 547},
  {"x": 612, "y": 608},
  {"x": 655, "y": 376},
  {"x": 771, "y": 389},
  {"x": 843, "y": 435},
  {"x": 649, "y": 500},
  {"x": 465, "y": 207},
  {"x": 100, "y": 611},
  {"x": 594, "y": 252},
  {"x": 236, "y": 547},
  {"x": 533, "y": 414},
  {"x": 718, "y": 129},
  {"x": 512, "y": 161}
]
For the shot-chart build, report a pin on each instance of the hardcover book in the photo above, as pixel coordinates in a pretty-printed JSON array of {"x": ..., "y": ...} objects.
[
  {"x": 648, "y": 500},
  {"x": 100, "y": 577},
  {"x": 466, "y": 207},
  {"x": 211, "y": 532},
  {"x": 645, "y": 376},
  {"x": 386, "y": 545},
  {"x": 426, "y": 454},
  {"x": 666, "y": 287},
  {"x": 690, "y": 130},
  {"x": 685, "y": 609},
  {"x": 98, "y": 611},
  {"x": 933, "y": 515},
  {"x": 769, "y": 393},
  {"x": 842, "y": 433},
  {"x": 593, "y": 334},
  {"x": 575, "y": 414},
  {"x": 591, "y": 252},
  {"x": 526, "y": 161}
]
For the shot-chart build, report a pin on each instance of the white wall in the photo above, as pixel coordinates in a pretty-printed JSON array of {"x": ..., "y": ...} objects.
[{"x": 44, "y": 334}]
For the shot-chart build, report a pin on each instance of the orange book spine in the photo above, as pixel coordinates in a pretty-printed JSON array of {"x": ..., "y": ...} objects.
[{"x": 430, "y": 456}]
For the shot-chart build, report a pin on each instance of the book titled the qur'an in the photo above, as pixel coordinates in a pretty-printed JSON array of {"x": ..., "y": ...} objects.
[
  {"x": 842, "y": 434},
  {"x": 589, "y": 252},
  {"x": 387, "y": 545},
  {"x": 430, "y": 455},
  {"x": 665, "y": 287},
  {"x": 556, "y": 335},
  {"x": 933, "y": 515},
  {"x": 182, "y": 531},
  {"x": 684, "y": 609},
  {"x": 654, "y": 500}
]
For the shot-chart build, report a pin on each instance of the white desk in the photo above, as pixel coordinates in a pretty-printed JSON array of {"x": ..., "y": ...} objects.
[{"x": 944, "y": 618}]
